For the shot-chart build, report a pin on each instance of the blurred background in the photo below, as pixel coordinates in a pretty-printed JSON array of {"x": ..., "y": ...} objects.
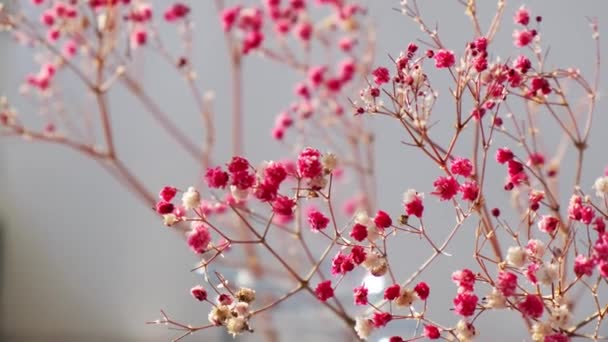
[{"x": 82, "y": 260}]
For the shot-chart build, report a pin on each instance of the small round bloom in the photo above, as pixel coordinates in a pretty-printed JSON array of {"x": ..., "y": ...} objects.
[
  {"x": 324, "y": 291},
  {"x": 560, "y": 316},
  {"x": 431, "y": 332},
  {"x": 357, "y": 254},
  {"x": 236, "y": 325},
  {"x": 309, "y": 163},
  {"x": 503, "y": 155},
  {"x": 522, "y": 38},
  {"x": 462, "y": 167},
  {"x": 583, "y": 265},
  {"x": 191, "y": 199},
  {"x": 522, "y": 16},
  {"x": 216, "y": 178},
  {"x": 470, "y": 191},
  {"x": 412, "y": 201},
  {"x": 199, "y": 238},
  {"x": 465, "y": 331},
  {"x": 381, "y": 75},
  {"x": 422, "y": 290},
  {"x": 363, "y": 327},
  {"x": 199, "y": 293},
  {"x": 381, "y": 319},
  {"x": 601, "y": 186},
  {"x": 382, "y": 220},
  {"x": 535, "y": 249},
  {"x": 532, "y": 306},
  {"x": 547, "y": 273},
  {"x": 392, "y": 292},
  {"x": 444, "y": 58},
  {"x": 359, "y": 232},
  {"x": 283, "y": 205},
  {"x": 360, "y": 295},
  {"x": 445, "y": 187},
  {"x": 496, "y": 300},
  {"x": 516, "y": 256},
  {"x": 317, "y": 220},
  {"x": 548, "y": 224},
  {"x": 406, "y": 298},
  {"x": 465, "y": 303},
  {"x": 167, "y": 193},
  {"x": 163, "y": 207},
  {"x": 507, "y": 283},
  {"x": 465, "y": 279},
  {"x": 246, "y": 295}
]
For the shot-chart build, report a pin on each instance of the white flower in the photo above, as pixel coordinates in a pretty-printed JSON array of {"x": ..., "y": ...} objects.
[
  {"x": 601, "y": 186},
  {"x": 219, "y": 314},
  {"x": 191, "y": 199},
  {"x": 238, "y": 194},
  {"x": 496, "y": 300},
  {"x": 560, "y": 316},
  {"x": 535, "y": 248},
  {"x": 242, "y": 309},
  {"x": 410, "y": 195},
  {"x": 236, "y": 325},
  {"x": 363, "y": 327},
  {"x": 516, "y": 256},
  {"x": 329, "y": 161},
  {"x": 465, "y": 331},
  {"x": 547, "y": 273},
  {"x": 539, "y": 331},
  {"x": 169, "y": 219}
]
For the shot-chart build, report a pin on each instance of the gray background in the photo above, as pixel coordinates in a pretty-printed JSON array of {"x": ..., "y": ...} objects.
[{"x": 83, "y": 260}]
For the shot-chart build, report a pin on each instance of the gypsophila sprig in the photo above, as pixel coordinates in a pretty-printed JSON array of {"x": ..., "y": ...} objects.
[{"x": 311, "y": 222}]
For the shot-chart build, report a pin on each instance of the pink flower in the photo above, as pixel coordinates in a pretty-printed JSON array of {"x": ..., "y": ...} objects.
[
  {"x": 381, "y": 319},
  {"x": 176, "y": 11},
  {"x": 275, "y": 173},
  {"x": 465, "y": 303},
  {"x": 199, "y": 238},
  {"x": 462, "y": 167},
  {"x": 603, "y": 268},
  {"x": 238, "y": 164},
  {"x": 199, "y": 293},
  {"x": 283, "y": 205},
  {"x": 522, "y": 16},
  {"x": 422, "y": 290},
  {"x": 324, "y": 291},
  {"x": 444, "y": 59},
  {"x": 382, "y": 220},
  {"x": 360, "y": 295},
  {"x": 506, "y": 283},
  {"x": 392, "y": 292},
  {"x": 413, "y": 203},
  {"x": 216, "y": 178},
  {"x": 470, "y": 191},
  {"x": 557, "y": 337},
  {"x": 548, "y": 224},
  {"x": 523, "y": 64},
  {"x": 531, "y": 306},
  {"x": 163, "y": 207},
  {"x": 309, "y": 163},
  {"x": 357, "y": 254},
  {"x": 317, "y": 220},
  {"x": 381, "y": 75},
  {"x": 504, "y": 155},
  {"x": 465, "y": 279},
  {"x": 167, "y": 193},
  {"x": 359, "y": 232},
  {"x": 583, "y": 266},
  {"x": 431, "y": 332},
  {"x": 446, "y": 188},
  {"x": 522, "y": 38},
  {"x": 229, "y": 16}
]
